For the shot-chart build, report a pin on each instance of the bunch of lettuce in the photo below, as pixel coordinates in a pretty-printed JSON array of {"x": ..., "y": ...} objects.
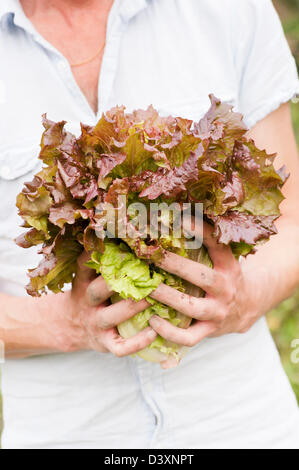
[{"x": 145, "y": 158}]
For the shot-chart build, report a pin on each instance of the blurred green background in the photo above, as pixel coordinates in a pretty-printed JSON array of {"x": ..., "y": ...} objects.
[{"x": 284, "y": 320}]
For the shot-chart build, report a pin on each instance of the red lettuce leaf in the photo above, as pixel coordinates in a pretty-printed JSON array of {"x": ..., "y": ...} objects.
[
  {"x": 240, "y": 227},
  {"x": 172, "y": 183}
]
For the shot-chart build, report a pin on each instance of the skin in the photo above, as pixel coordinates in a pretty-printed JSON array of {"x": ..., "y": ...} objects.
[
  {"x": 237, "y": 295},
  {"x": 77, "y": 28}
]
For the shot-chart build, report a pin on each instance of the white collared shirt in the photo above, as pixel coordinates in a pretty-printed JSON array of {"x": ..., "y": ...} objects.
[{"x": 229, "y": 392}]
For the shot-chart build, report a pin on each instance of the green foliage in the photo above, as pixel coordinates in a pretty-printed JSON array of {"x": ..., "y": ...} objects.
[
  {"x": 288, "y": 10},
  {"x": 291, "y": 28},
  {"x": 284, "y": 324},
  {"x": 291, "y": 3}
]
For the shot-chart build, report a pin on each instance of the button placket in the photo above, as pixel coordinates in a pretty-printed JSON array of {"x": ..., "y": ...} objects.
[
  {"x": 117, "y": 24},
  {"x": 150, "y": 378},
  {"x": 64, "y": 70},
  {"x": 109, "y": 65}
]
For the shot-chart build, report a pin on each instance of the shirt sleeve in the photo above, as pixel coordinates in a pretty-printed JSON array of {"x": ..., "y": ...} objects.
[{"x": 266, "y": 68}]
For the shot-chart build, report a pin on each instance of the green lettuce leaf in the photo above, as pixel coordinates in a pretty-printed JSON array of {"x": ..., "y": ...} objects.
[{"x": 127, "y": 275}]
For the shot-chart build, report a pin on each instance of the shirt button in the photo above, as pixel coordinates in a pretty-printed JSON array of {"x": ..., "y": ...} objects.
[
  {"x": 63, "y": 66},
  {"x": 5, "y": 171}
]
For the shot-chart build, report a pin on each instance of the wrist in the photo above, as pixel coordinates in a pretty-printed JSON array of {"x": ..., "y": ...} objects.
[
  {"x": 52, "y": 311},
  {"x": 257, "y": 301},
  {"x": 30, "y": 326}
]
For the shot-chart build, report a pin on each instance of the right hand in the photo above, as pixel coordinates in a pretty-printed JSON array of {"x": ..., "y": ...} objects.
[{"x": 88, "y": 322}]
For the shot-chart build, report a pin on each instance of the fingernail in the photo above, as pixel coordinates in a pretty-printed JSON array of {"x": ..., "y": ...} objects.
[
  {"x": 152, "y": 333},
  {"x": 155, "y": 318},
  {"x": 169, "y": 364}
]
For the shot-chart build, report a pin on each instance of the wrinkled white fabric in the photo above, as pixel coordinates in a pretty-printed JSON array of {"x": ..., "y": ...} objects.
[{"x": 229, "y": 392}]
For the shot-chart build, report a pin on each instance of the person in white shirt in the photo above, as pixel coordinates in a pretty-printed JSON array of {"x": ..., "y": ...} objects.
[{"x": 69, "y": 380}]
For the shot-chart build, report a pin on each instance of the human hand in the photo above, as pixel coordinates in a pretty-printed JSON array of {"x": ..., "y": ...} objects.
[
  {"x": 88, "y": 322},
  {"x": 228, "y": 306}
]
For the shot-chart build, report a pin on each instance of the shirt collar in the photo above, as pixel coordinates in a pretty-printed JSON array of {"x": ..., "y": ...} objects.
[
  {"x": 8, "y": 6},
  {"x": 13, "y": 9},
  {"x": 130, "y": 8}
]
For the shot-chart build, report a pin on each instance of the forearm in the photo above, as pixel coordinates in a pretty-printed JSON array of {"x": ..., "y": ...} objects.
[
  {"x": 23, "y": 326},
  {"x": 273, "y": 272}
]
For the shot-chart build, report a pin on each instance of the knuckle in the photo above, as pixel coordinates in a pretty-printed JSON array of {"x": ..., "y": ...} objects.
[
  {"x": 163, "y": 330},
  {"x": 90, "y": 293},
  {"x": 132, "y": 306},
  {"x": 98, "y": 345},
  {"x": 128, "y": 305},
  {"x": 220, "y": 283},
  {"x": 102, "y": 321},
  {"x": 214, "y": 330},
  {"x": 244, "y": 330},
  {"x": 140, "y": 344},
  {"x": 208, "y": 278},
  {"x": 229, "y": 292},
  {"x": 192, "y": 302},
  {"x": 198, "y": 310},
  {"x": 118, "y": 351},
  {"x": 66, "y": 344},
  {"x": 221, "y": 280},
  {"x": 136, "y": 307},
  {"x": 190, "y": 341},
  {"x": 93, "y": 295},
  {"x": 106, "y": 326},
  {"x": 221, "y": 316}
]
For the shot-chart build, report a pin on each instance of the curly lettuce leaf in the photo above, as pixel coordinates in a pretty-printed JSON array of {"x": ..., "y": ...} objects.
[
  {"x": 57, "y": 268},
  {"x": 242, "y": 228},
  {"x": 127, "y": 275},
  {"x": 172, "y": 183}
]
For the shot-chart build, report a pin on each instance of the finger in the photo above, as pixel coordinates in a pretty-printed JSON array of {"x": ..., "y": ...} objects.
[
  {"x": 197, "y": 274},
  {"x": 98, "y": 292},
  {"x": 197, "y": 308},
  {"x": 124, "y": 347},
  {"x": 115, "y": 314},
  {"x": 84, "y": 274},
  {"x": 189, "y": 337},
  {"x": 220, "y": 254},
  {"x": 170, "y": 363}
]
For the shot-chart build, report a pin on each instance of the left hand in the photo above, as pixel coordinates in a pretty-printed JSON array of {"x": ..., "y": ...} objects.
[{"x": 228, "y": 306}]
